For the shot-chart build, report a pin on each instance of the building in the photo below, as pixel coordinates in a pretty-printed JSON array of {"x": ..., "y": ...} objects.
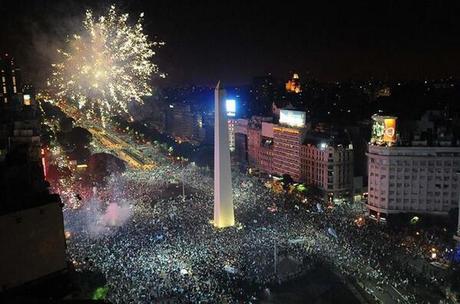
[
  {"x": 35, "y": 243},
  {"x": 327, "y": 163},
  {"x": 31, "y": 220},
  {"x": 293, "y": 85},
  {"x": 412, "y": 179},
  {"x": 10, "y": 79},
  {"x": 287, "y": 141},
  {"x": 254, "y": 135},
  {"x": 321, "y": 159},
  {"x": 258, "y": 130},
  {"x": 241, "y": 142},
  {"x": 286, "y": 151},
  {"x": 266, "y": 148},
  {"x": 263, "y": 148},
  {"x": 415, "y": 178}
]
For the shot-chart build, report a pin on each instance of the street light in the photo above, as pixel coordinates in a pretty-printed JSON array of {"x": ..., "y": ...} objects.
[{"x": 183, "y": 180}]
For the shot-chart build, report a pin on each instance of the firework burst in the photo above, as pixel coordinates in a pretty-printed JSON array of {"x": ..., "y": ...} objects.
[{"x": 106, "y": 66}]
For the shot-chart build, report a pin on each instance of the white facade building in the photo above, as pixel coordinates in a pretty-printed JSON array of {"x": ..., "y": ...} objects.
[{"x": 412, "y": 179}]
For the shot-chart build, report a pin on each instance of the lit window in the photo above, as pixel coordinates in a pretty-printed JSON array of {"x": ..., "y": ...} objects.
[{"x": 27, "y": 99}]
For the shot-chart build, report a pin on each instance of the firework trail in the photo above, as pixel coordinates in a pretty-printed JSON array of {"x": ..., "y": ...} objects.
[{"x": 106, "y": 66}]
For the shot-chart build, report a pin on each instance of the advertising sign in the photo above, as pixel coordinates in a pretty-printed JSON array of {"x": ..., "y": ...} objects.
[
  {"x": 389, "y": 134},
  {"x": 230, "y": 105},
  {"x": 292, "y": 118},
  {"x": 383, "y": 130}
]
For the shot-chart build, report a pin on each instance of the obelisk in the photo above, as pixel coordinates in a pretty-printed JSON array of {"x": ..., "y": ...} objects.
[{"x": 223, "y": 201}]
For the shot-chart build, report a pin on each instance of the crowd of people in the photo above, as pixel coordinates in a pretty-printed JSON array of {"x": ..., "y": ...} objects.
[{"x": 169, "y": 249}]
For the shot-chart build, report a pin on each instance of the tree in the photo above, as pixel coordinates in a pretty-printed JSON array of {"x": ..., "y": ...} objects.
[
  {"x": 80, "y": 137},
  {"x": 52, "y": 110},
  {"x": 63, "y": 140},
  {"x": 287, "y": 181},
  {"x": 66, "y": 124},
  {"x": 101, "y": 165},
  {"x": 80, "y": 154},
  {"x": 46, "y": 134}
]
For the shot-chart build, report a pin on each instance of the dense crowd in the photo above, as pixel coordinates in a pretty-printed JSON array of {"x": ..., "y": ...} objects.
[{"x": 168, "y": 248}]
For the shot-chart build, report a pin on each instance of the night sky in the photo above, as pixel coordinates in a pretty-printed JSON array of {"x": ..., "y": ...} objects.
[{"x": 236, "y": 40}]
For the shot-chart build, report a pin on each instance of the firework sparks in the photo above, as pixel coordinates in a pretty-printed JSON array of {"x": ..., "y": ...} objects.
[{"x": 106, "y": 66}]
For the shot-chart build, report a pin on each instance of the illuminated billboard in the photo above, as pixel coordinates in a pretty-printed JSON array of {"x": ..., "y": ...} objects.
[
  {"x": 292, "y": 118},
  {"x": 389, "y": 134},
  {"x": 383, "y": 130},
  {"x": 230, "y": 105}
]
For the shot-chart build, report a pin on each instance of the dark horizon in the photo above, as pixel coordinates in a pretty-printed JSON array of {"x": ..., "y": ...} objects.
[{"x": 208, "y": 41}]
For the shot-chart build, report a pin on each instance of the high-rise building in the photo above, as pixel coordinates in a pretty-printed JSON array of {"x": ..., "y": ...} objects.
[
  {"x": 412, "y": 178},
  {"x": 286, "y": 151},
  {"x": 241, "y": 142},
  {"x": 31, "y": 220},
  {"x": 287, "y": 139},
  {"x": 254, "y": 135},
  {"x": 266, "y": 148},
  {"x": 327, "y": 163},
  {"x": 257, "y": 129},
  {"x": 10, "y": 79},
  {"x": 322, "y": 159},
  {"x": 260, "y": 145}
]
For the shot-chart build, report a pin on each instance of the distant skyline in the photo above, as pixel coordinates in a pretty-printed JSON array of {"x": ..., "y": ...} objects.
[{"x": 234, "y": 41}]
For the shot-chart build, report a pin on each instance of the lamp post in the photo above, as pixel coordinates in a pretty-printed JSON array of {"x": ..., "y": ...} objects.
[{"x": 183, "y": 180}]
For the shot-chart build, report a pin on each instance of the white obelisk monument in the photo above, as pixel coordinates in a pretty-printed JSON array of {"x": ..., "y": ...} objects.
[{"x": 223, "y": 201}]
